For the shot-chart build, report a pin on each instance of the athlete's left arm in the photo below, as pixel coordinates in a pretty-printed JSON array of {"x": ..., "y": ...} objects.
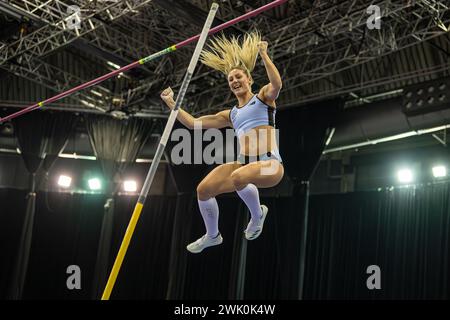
[{"x": 270, "y": 91}]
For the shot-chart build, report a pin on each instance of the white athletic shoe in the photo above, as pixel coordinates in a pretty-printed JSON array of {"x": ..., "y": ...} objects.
[
  {"x": 204, "y": 242},
  {"x": 254, "y": 233}
]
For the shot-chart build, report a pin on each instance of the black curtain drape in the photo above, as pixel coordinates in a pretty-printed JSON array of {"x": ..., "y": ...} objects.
[
  {"x": 31, "y": 134},
  {"x": 303, "y": 134},
  {"x": 59, "y": 127},
  {"x": 12, "y": 216},
  {"x": 116, "y": 145},
  {"x": 64, "y": 236},
  {"x": 36, "y": 132},
  {"x": 145, "y": 270},
  {"x": 69, "y": 235},
  {"x": 181, "y": 228},
  {"x": 404, "y": 231}
]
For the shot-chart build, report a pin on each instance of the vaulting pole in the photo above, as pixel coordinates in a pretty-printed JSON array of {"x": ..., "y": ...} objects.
[{"x": 159, "y": 152}]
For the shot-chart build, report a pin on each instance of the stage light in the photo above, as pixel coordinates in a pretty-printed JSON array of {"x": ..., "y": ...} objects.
[
  {"x": 64, "y": 181},
  {"x": 405, "y": 175},
  {"x": 439, "y": 171},
  {"x": 427, "y": 97},
  {"x": 94, "y": 184},
  {"x": 130, "y": 186}
]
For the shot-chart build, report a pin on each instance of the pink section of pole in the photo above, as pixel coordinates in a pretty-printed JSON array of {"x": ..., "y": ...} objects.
[{"x": 137, "y": 63}]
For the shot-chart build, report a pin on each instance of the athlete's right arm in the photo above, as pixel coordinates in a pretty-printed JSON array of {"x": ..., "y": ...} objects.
[{"x": 218, "y": 120}]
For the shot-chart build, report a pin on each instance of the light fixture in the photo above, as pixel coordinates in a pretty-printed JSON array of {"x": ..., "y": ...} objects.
[
  {"x": 64, "y": 181},
  {"x": 439, "y": 171},
  {"x": 94, "y": 184},
  {"x": 130, "y": 186},
  {"x": 405, "y": 175}
]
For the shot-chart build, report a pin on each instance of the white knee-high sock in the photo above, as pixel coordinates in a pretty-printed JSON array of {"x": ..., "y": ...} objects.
[
  {"x": 250, "y": 196},
  {"x": 210, "y": 213}
]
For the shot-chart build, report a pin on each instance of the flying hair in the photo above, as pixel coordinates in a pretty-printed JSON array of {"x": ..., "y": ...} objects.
[{"x": 225, "y": 54}]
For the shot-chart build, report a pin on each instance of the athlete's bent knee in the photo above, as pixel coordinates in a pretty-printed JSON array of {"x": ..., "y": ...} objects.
[
  {"x": 204, "y": 191},
  {"x": 238, "y": 180}
]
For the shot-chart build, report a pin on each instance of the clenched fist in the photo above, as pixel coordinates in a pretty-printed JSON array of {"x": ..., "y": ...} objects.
[
  {"x": 167, "y": 97},
  {"x": 262, "y": 47}
]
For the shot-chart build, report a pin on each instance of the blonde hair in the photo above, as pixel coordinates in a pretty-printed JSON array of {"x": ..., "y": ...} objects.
[{"x": 228, "y": 54}]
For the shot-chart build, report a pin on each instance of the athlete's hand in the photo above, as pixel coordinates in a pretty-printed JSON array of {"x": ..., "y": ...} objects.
[
  {"x": 262, "y": 47},
  {"x": 167, "y": 97}
]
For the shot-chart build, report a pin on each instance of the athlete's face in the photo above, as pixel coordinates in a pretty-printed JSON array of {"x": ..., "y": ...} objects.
[{"x": 239, "y": 82}]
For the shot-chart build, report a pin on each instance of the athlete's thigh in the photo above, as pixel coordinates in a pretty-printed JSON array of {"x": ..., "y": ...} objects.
[
  {"x": 263, "y": 174},
  {"x": 219, "y": 179}
]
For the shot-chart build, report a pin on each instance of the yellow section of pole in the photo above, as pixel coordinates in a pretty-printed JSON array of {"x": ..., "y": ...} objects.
[{"x": 122, "y": 251}]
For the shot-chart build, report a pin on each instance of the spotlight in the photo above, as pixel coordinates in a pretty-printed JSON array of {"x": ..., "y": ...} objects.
[
  {"x": 404, "y": 175},
  {"x": 64, "y": 181},
  {"x": 94, "y": 184},
  {"x": 426, "y": 97},
  {"x": 130, "y": 186},
  {"x": 439, "y": 171}
]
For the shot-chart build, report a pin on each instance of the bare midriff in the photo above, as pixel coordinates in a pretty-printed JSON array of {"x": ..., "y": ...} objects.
[{"x": 258, "y": 141}]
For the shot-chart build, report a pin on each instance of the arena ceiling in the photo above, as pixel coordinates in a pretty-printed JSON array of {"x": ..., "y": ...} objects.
[{"x": 322, "y": 49}]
